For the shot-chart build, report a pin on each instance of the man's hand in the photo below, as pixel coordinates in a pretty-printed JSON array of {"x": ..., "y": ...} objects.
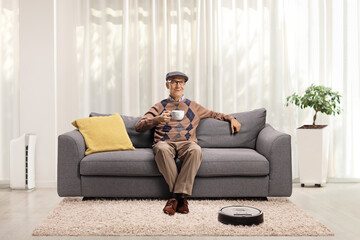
[
  {"x": 164, "y": 117},
  {"x": 235, "y": 126}
]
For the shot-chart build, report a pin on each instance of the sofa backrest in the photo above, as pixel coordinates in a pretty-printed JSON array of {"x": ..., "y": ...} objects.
[
  {"x": 139, "y": 140},
  {"x": 213, "y": 133}
]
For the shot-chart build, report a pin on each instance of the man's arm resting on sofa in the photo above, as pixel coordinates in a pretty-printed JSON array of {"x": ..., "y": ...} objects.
[
  {"x": 71, "y": 149},
  {"x": 276, "y": 147}
]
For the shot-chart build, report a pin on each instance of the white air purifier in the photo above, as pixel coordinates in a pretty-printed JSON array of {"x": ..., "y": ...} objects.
[{"x": 22, "y": 162}]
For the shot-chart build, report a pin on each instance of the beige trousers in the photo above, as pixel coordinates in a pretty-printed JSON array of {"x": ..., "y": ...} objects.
[{"x": 189, "y": 154}]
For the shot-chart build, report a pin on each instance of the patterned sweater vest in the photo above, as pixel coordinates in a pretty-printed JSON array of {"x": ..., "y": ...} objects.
[{"x": 177, "y": 130}]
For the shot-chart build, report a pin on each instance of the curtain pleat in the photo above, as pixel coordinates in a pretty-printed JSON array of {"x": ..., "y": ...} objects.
[
  {"x": 9, "y": 94},
  {"x": 209, "y": 94},
  {"x": 239, "y": 55},
  {"x": 154, "y": 58}
]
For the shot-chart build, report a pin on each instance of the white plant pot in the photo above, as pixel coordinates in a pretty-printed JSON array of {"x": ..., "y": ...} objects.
[{"x": 313, "y": 152}]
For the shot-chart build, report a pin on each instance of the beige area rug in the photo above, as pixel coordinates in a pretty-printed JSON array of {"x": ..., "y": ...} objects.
[{"x": 74, "y": 217}]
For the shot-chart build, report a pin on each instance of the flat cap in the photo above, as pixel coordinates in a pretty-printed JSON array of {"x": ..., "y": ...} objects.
[{"x": 176, "y": 74}]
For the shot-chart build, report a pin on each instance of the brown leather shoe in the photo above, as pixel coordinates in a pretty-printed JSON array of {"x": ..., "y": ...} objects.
[
  {"x": 170, "y": 207},
  {"x": 182, "y": 206}
]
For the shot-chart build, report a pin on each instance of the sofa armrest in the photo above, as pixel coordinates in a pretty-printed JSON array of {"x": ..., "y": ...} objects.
[
  {"x": 71, "y": 149},
  {"x": 276, "y": 147}
]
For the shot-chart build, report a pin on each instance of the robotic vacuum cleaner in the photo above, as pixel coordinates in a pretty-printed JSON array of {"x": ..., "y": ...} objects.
[{"x": 240, "y": 215}]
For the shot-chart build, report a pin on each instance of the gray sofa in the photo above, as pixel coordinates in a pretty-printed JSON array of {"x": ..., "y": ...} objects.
[{"x": 255, "y": 162}]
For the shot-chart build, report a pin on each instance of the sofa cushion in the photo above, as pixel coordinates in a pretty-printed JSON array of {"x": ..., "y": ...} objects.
[
  {"x": 139, "y": 140},
  {"x": 213, "y": 133},
  {"x": 104, "y": 133},
  {"x": 141, "y": 162},
  {"x": 219, "y": 162}
]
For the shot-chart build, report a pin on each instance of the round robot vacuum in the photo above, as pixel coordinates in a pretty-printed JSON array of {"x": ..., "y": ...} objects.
[{"x": 240, "y": 215}]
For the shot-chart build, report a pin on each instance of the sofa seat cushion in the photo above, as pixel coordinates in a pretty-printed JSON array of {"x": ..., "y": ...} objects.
[
  {"x": 218, "y": 162},
  {"x": 139, "y": 162}
]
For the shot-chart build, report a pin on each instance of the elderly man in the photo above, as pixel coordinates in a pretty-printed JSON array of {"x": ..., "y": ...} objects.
[{"x": 178, "y": 138}]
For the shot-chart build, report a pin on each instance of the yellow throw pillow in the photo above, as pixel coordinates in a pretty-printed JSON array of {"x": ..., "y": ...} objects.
[{"x": 104, "y": 133}]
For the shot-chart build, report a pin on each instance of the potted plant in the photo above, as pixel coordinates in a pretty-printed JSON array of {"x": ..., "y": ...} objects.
[{"x": 313, "y": 140}]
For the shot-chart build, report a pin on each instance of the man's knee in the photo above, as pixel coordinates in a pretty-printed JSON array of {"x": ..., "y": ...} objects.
[
  {"x": 162, "y": 147},
  {"x": 195, "y": 150}
]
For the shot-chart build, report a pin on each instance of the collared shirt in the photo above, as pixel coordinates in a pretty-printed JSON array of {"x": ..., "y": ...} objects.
[{"x": 173, "y": 100}]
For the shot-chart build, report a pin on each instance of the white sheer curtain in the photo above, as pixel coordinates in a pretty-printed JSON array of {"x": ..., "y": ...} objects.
[
  {"x": 9, "y": 45},
  {"x": 239, "y": 55}
]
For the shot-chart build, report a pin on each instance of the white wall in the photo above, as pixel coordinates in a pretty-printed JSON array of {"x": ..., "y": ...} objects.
[{"x": 37, "y": 84}]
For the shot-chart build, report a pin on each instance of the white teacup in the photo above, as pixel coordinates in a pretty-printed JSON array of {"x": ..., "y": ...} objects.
[{"x": 177, "y": 114}]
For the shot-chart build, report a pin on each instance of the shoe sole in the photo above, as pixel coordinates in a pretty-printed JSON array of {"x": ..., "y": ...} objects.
[
  {"x": 182, "y": 212},
  {"x": 168, "y": 213}
]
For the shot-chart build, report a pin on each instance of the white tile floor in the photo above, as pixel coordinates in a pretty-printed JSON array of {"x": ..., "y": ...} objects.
[{"x": 337, "y": 205}]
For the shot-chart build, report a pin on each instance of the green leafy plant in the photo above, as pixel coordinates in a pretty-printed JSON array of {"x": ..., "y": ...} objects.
[{"x": 320, "y": 98}]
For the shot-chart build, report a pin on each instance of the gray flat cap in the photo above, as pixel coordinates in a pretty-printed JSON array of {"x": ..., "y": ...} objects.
[{"x": 176, "y": 74}]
